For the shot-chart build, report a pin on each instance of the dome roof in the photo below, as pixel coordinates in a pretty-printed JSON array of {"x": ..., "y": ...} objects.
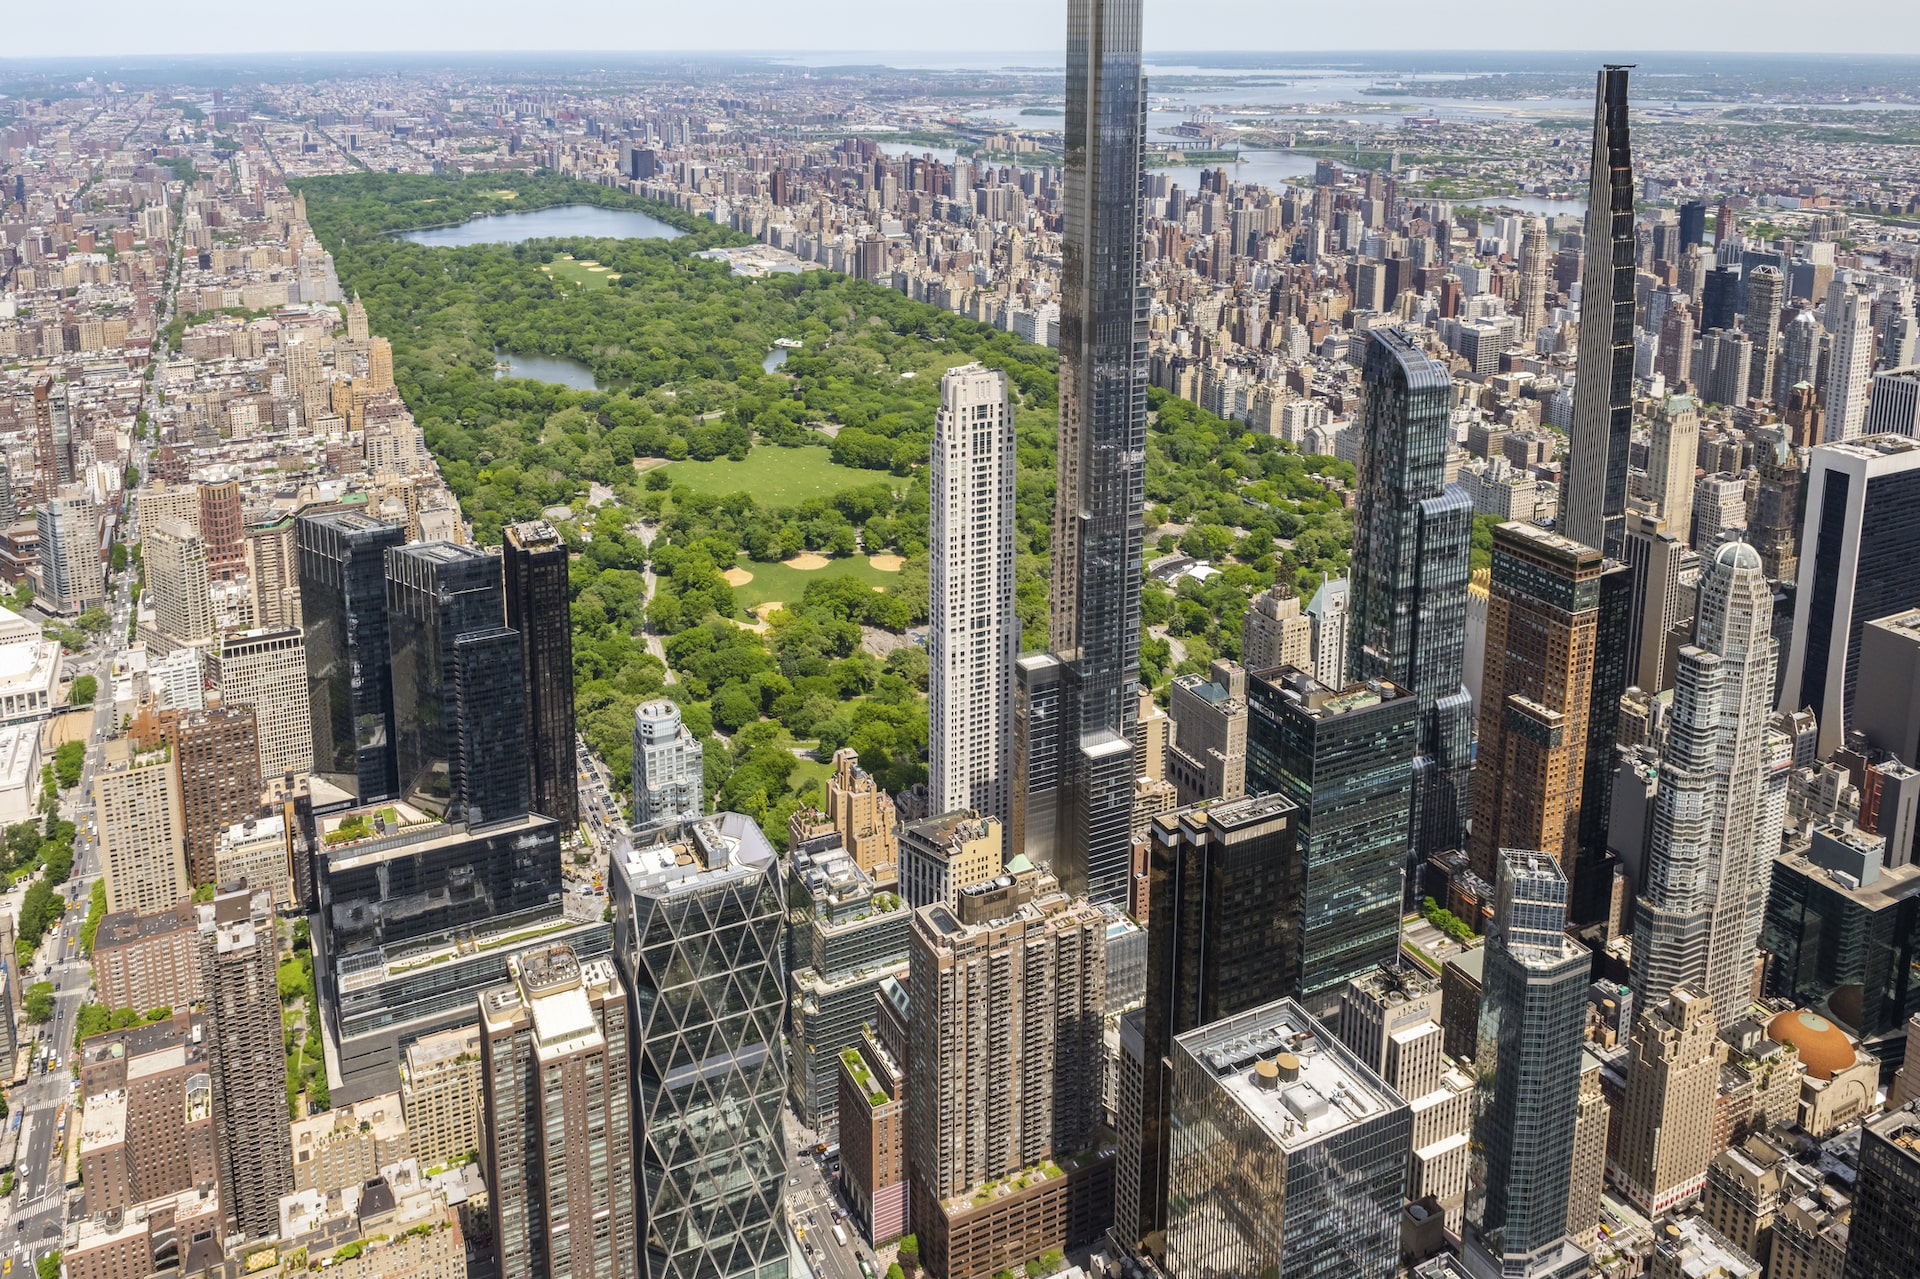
[
  {"x": 1824, "y": 1048},
  {"x": 1738, "y": 555}
]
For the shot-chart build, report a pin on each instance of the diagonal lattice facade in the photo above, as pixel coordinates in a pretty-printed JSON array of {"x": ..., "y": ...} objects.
[{"x": 698, "y": 935}]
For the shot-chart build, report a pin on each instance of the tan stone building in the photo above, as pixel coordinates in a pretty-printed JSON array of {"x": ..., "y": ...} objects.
[
  {"x": 1208, "y": 757},
  {"x": 1275, "y": 632},
  {"x": 136, "y": 799},
  {"x": 1742, "y": 1195},
  {"x": 942, "y": 855},
  {"x": 1589, "y": 1156},
  {"x": 1666, "y": 1128},
  {"x": 348, "y": 1146},
  {"x": 440, "y": 1095},
  {"x": 864, "y": 816}
]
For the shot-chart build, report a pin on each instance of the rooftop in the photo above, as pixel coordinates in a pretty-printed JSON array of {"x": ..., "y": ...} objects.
[
  {"x": 680, "y": 854},
  {"x": 1296, "y": 1080}
]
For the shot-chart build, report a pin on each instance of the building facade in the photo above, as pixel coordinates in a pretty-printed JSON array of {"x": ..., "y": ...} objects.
[
  {"x": 246, "y": 1060},
  {"x": 265, "y": 671},
  {"x": 973, "y": 631},
  {"x": 342, "y": 558},
  {"x": 668, "y": 774},
  {"x": 538, "y": 605}
]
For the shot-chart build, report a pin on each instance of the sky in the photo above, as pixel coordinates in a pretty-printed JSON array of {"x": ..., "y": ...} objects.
[{"x": 243, "y": 26}]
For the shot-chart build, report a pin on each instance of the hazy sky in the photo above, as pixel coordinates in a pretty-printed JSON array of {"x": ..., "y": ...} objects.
[{"x": 234, "y": 26}]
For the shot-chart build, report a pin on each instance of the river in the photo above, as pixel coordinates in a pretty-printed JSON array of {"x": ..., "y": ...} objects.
[{"x": 540, "y": 224}]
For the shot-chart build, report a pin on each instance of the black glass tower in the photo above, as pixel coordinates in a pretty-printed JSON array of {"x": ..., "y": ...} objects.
[
  {"x": 343, "y": 597},
  {"x": 1593, "y": 492},
  {"x": 1223, "y": 936},
  {"x": 1345, "y": 757},
  {"x": 1099, "y": 498},
  {"x": 539, "y": 607},
  {"x": 459, "y": 704},
  {"x": 1693, "y": 224},
  {"x": 1408, "y": 610}
]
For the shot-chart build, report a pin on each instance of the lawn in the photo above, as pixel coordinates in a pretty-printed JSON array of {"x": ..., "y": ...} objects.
[
  {"x": 777, "y": 476},
  {"x": 779, "y": 582},
  {"x": 579, "y": 273}
]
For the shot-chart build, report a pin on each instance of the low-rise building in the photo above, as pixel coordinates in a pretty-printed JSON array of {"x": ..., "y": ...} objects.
[
  {"x": 350, "y": 1145},
  {"x": 440, "y": 1096}
]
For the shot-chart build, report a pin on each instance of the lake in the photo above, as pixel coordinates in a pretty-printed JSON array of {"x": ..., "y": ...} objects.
[
  {"x": 541, "y": 224},
  {"x": 775, "y": 358},
  {"x": 546, "y": 368}
]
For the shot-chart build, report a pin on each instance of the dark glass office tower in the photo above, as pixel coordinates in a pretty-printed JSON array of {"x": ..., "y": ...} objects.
[
  {"x": 1593, "y": 492},
  {"x": 539, "y": 607},
  {"x": 1693, "y": 224},
  {"x": 1720, "y": 299},
  {"x": 1223, "y": 936},
  {"x": 1532, "y": 1019},
  {"x": 1345, "y": 756},
  {"x": 1408, "y": 618},
  {"x": 1098, "y": 503},
  {"x": 1881, "y": 1240},
  {"x": 343, "y": 596},
  {"x": 459, "y": 706}
]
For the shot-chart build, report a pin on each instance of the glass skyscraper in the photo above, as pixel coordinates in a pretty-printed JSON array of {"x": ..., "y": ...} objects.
[
  {"x": 539, "y": 606},
  {"x": 698, "y": 926},
  {"x": 1087, "y": 792},
  {"x": 458, "y": 698},
  {"x": 1346, "y": 758},
  {"x": 1532, "y": 1022},
  {"x": 1593, "y": 502},
  {"x": 1408, "y": 611},
  {"x": 1289, "y": 1154},
  {"x": 343, "y": 598}
]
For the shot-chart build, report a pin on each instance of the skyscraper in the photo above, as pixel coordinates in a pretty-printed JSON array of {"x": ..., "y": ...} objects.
[
  {"x": 1003, "y": 1053},
  {"x": 246, "y": 1058},
  {"x": 1225, "y": 897},
  {"x": 217, "y": 754},
  {"x": 1706, "y": 866},
  {"x": 1848, "y": 364},
  {"x": 1289, "y": 1154},
  {"x": 1799, "y": 353},
  {"x": 1532, "y": 1015},
  {"x": 459, "y": 704},
  {"x": 1766, "y": 294},
  {"x": 1727, "y": 359},
  {"x": 136, "y": 800},
  {"x": 1275, "y": 633},
  {"x": 1675, "y": 359},
  {"x": 1543, "y": 629},
  {"x": 668, "y": 768},
  {"x": 265, "y": 671},
  {"x": 534, "y": 563},
  {"x": 1859, "y": 543},
  {"x": 1653, "y": 559},
  {"x": 1594, "y": 490},
  {"x": 1409, "y": 578},
  {"x": 1345, "y": 757},
  {"x": 1672, "y": 458},
  {"x": 176, "y": 566},
  {"x": 698, "y": 923},
  {"x": 1534, "y": 261},
  {"x": 973, "y": 633},
  {"x": 1881, "y": 1240},
  {"x": 1666, "y": 1129},
  {"x": 72, "y": 576},
  {"x": 559, "y": 1118},
  {"x": 1076, "y": 709},
  {"x": 1328, "y": 611},
  {"x": 343, "y": 599}
]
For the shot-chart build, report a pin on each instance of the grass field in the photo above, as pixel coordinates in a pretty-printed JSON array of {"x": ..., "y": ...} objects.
[
  {"x": 577, "y": 274},
  {"x": 778, "y": 582},
  {"x": 777, "y": 476}
]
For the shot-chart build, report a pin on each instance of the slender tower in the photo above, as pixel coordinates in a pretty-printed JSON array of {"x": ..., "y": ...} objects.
[
  {"x": 1848, "y": 365},
  {"x": 1593, "y": 501},
  {"x": 1706, "y": 877},
  {"x": 1411, "y": 532},
  {"x": 973, "y": 634},
  {"x": 1076, "y": 706},
  {"x": 1533, "y": 278}
]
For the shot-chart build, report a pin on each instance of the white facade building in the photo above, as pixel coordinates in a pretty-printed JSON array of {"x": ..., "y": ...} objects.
[
  {"x": 669, "y": 781},
  {"x": 973, "y": 632},
  {"x": 1848, "y": 364}
]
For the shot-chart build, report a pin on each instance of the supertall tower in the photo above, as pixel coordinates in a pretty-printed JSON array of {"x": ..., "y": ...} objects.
[
  {"x": 1076, "y": 706},
  {"x": 1593, "y": 501},
  {"x": 973, "y": 634},
  {"x": 1534, "y": 261},
  {"x": 1706, "y": 877},
  {"x": 1409, "y": 578}
]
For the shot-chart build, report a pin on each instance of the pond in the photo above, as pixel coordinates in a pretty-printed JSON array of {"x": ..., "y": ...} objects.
[
  {"x": 545, "y": 368},
  {"x": 775, "y": 358},
  {"x": 541, "y": 224}
]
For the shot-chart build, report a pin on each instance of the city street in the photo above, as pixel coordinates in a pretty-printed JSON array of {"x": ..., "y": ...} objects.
[{"x": 36, "y": 1212}]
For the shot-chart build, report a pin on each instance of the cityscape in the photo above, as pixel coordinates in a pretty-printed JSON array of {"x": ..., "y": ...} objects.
[{"x": 812, "y": 665}]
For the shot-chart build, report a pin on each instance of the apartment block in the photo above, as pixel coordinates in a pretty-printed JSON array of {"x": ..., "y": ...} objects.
[
  {"x": 136, "y": 798},
  {"x": 147, "y": 961},
  {"x": 440, "y": 1095}
]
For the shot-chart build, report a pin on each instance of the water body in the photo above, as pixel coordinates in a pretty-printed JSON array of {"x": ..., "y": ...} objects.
[
  {"x": 540, "y": 224},
  {"x": 546, "y": 368},
  {"x": 775, "y": 358}
]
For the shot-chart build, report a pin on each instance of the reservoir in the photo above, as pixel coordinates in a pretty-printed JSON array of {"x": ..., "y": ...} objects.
[
  {"x": 545, "y": 368},
  {"x": 541, "y": 224}
]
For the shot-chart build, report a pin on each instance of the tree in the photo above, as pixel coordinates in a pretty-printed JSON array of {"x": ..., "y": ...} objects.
[
  {"x": 94, "y": 619},
  {"x": 48, "y": 1266},
  {"x": 38, "y": 1004},
  {"x": 92, "y": 1019},
  {"x": 117, "y": 557},
  {"x": 895, "y": 1272},
  {"x": 96, "y": 911},
  {"x": 72, "y": 756},
  {"x": 82, "y": 693}
]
